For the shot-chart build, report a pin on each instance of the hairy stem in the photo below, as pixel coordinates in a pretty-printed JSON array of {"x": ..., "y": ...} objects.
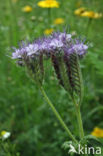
[
  {"x": 57, "y": 115},
  {"x": 80, "y": 123},
  {"x": 79, "y": 119}
]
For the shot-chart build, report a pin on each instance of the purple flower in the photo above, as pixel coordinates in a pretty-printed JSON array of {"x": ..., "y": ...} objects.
[
  {"x": 80, "y": 48},
  {"x": 77, "y": 47},
  {"x": 62, "y": 37},
  {"x": 62, "y": 49},
  {"x": 18, "y": 53},
  {"x": 65, "y": 37},
  {"x": 32, "y": 49},
  {"x": 56, "y": 43}
]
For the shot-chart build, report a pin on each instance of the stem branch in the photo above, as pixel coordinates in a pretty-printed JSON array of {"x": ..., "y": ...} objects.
[
  {"x": 58, "y": 116},
  {"x": 78, "y": 113}
]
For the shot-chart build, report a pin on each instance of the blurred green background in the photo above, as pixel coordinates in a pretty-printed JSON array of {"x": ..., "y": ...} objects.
[{"x": 23, "y": 112}]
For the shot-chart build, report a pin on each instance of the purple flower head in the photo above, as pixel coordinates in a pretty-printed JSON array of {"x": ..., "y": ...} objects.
[
  {"x": 63, "y": 50},
  {"x": 32, "y": 49},
  {"x": 56, "y": 43},
  {"x": 18, "y": 53},
  {"x": 63, "y": 37},
  {"x": 26, "y": 51},
  {"x": 45, "y": 45},
  {"x": 77, "y": 47},
  {"x": 80, "y": 48}
]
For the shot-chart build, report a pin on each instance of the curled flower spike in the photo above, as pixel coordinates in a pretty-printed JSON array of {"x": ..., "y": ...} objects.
[
  {"x": 30, "y": 56},
  {"x": 56, "y": 62},
  {"x": 64, "y": 52}
]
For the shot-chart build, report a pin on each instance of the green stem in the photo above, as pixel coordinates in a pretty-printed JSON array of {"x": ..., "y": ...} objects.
[
  {"x": 80, "y": 123},
  {"x": 49, "y": 17},
  {"x": 88, "y": 26},
  {"x": 13, "y": 23},
  {"x": 78, "y": 113},
  {"x": 58, "y": 116}
]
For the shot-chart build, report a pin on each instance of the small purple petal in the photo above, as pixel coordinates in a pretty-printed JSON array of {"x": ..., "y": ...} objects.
[
  {"x": 32, "y": 49},
  {"x": 55, "y": 43}
]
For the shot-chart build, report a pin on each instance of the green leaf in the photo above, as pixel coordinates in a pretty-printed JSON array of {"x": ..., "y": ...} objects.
[{"x": 92, "y": 140}]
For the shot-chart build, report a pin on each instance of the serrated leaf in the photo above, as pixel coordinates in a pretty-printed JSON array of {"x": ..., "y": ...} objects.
[{"x": 95, "y": 140}]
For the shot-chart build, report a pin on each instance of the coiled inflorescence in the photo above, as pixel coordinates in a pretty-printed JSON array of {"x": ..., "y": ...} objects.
[{"x": 64, "y": 52}]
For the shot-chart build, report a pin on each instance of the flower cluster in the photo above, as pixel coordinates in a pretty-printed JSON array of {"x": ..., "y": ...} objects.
[
  {"x": 55, "y": 43},
  {"x": 63, "y": 51}
]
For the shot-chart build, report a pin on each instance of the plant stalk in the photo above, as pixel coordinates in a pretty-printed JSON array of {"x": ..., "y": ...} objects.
[
  {"x": 80, "y": 123},
  {"x": 79, "y": 119},
  {"x": 49, "y": 17},
  {"x": 57, "y": 115}
]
